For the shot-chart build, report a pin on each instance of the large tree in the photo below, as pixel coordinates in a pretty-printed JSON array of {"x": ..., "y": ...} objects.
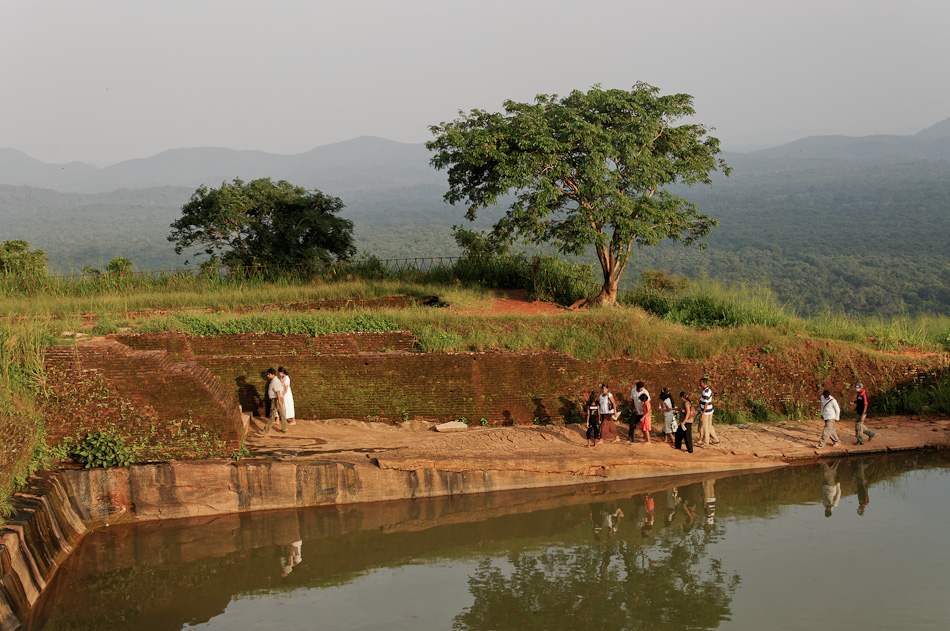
[
  {"x": 590, "y": 169},
  {"x": 263, "y": 223}
]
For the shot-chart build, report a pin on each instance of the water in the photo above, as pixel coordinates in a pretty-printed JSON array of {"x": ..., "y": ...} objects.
[{"x": 750, "y": 551}]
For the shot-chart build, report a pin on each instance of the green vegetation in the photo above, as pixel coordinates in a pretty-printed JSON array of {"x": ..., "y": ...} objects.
[
  {"x": 590, "y": 170},
  {"x": 263, "y": 223},
  {"x": 18, "y": 259},
  {"x": 102, "y": 449}
]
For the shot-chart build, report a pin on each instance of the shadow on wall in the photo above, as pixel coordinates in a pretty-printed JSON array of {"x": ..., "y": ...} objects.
[{"x": 249, "y": 398}]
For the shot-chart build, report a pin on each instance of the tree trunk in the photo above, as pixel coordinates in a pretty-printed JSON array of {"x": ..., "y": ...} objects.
[
  {"x": 609, "y": 267},
  {"x": 607, "y": 295}
]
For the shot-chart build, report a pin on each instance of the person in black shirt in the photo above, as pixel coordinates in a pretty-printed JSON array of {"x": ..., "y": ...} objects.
[{"x": 861, "y": 412}]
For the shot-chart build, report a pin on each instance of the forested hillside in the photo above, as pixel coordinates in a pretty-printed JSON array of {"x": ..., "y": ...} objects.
[{"x": 858, "y": 225}]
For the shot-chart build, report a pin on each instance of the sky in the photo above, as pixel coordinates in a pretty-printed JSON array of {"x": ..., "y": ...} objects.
[{"x": 102, "y": 81}]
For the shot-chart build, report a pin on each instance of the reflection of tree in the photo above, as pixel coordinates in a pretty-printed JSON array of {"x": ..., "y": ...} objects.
[{"x": 667, "y": 585}]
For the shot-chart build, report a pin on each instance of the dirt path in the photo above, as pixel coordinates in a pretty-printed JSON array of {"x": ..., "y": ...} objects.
[{"x": 561, "y": 448}]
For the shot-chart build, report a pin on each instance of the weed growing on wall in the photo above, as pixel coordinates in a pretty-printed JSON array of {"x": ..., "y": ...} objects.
[{"x": 82, "y": 405}]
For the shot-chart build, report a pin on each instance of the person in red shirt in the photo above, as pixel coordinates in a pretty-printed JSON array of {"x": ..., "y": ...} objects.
[{"x": 861, "y": 412}]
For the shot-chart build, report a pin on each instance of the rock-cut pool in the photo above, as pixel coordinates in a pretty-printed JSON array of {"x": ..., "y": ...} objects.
[{"x": 852, "y": 544}]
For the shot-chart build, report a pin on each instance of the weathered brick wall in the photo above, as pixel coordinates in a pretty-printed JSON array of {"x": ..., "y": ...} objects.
[
  {"x": 347, "y": 376},
  {"x": 151, "y": 380},
  {"x": 500, "y": 387}
]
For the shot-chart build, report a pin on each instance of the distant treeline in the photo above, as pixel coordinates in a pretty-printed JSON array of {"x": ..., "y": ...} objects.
[{"x": 867, "y": 239}]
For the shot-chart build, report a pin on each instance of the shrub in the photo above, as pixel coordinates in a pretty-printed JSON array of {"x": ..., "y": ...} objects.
[{"x": 102, "y": 449}]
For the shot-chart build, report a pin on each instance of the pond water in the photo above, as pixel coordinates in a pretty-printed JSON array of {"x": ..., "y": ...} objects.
[{"x": 856, "y": 544}]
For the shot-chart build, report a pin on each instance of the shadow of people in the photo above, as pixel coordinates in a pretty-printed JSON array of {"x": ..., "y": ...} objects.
[
  {"x": 248, "y": 397},
  {"x": 570, "y": 411},
  {"x": 541, "y": 414}
]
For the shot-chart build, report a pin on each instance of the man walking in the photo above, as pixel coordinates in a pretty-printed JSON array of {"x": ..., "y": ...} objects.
[
  {"x": 831, "y": 413},
  {"x": 635, "y": 393},
  {"x": 707, "y": 434},
  {"x": 861, "y": 412},
  {"x": 275, "y": 392}
]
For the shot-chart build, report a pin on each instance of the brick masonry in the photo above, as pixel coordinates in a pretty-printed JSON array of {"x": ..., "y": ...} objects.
[{"x": 370, "y": 375}]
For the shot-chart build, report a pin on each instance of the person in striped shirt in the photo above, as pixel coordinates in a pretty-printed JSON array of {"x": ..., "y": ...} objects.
[{"x": 707, "y": 433}]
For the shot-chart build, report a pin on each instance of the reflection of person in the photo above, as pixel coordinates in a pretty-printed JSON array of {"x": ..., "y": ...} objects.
[
  {"x": 861, "y": 412},
  {"x": 684, "y": 433},
  {"x": 707, "y": 433},
  {"x": 709, "y": 503},
  {"x": 291, "y": 559},
  {"x": 863, "y": 499},
  {"x": 602, "y": 520},
  {"x": 688, "y": 507},
  {"x": 275, "y": 393},
  {"x": 289, "y": 411},
  {"x": 831, "y": 488},
  {"x": 647, "y": 516},
  {"x": 608, "y": 429},
  {"x": 831, "y": 413},
  {"x": 672, "y": 503},
  {"x": 646, "y": 420},
  {"x": 635, "y": 394},
  {"x": 593, "y": 419}
]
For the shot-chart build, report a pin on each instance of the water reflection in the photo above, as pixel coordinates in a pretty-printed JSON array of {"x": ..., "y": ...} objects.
[{"x": 626, "y": 556}]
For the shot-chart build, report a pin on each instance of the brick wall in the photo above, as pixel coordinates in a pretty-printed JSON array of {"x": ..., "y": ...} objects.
[
  {"x": 500, "y": 387},
  {"x": 359, "y": 375},
  {"x": 153, "y": 381}
]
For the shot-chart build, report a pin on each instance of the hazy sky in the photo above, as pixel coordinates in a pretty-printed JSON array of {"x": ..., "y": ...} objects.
[{"x": 105, "y": 81}]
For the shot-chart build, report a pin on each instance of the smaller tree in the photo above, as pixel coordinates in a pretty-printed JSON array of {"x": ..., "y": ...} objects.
[
  {"x": 264, "y": 223},
  {"x": 17, "y": 259},
  {"x": 119, "y": 265}
]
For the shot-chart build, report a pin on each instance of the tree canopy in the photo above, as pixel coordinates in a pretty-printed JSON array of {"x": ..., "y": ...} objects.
[
  {"x": 17, "y": 259},
  {"x": 586, "y": 170},
  {"x": 263, "y": 223}
]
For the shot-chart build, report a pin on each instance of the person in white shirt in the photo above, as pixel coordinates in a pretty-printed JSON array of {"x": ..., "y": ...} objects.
[
  {"x": 707, "y": 434},
  {"x": 831, "y": 413}
]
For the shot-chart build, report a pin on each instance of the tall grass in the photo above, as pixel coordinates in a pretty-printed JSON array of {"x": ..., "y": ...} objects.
[
  {"x": 710, "y": 305},
  {"x": 22, "y": 387}
]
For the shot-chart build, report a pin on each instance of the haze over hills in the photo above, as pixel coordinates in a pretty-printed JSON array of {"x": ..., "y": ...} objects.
[{"x": 788, "y": 214}]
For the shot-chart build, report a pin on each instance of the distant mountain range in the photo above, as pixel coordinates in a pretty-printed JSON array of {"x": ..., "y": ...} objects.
[
  {"x": 376, "y": 164},
  {"x": 365, "y": 163}
]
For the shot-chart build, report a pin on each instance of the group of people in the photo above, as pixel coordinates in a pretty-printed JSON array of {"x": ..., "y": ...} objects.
[
  {"x": 280, "y": 399},
  {"x": 603, "y": 412},
  {"x": 831, "y": 414}
]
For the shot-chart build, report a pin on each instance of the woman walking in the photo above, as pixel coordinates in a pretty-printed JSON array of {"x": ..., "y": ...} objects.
[
  {"x": 669, "y": 414},
  {"x": 684, "y": 433},
  {"x": 288, "y": 396},
  {"x": 608, "y": 429}
]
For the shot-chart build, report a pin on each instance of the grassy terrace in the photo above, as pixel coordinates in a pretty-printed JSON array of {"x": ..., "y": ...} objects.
[{"x": 653, "y": 323}]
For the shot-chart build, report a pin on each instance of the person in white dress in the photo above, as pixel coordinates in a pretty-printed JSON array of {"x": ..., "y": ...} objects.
[{"x": 288, "y": 396}]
